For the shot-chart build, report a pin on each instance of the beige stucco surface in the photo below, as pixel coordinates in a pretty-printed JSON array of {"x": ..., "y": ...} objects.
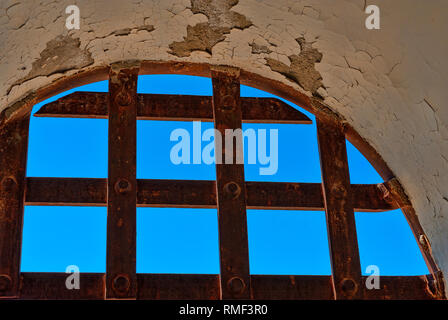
[{"x": 390, "y": 84}]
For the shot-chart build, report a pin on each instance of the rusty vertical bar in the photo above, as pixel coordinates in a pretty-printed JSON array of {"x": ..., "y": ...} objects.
[
  {"x": 121, "y": 281},
  {"x": 230, "y": 188},
  {"x": 341, "y": 227},
  {"x": 13, "y": 156}
]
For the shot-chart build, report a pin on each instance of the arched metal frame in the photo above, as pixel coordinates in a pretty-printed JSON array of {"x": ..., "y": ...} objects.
[{"x": 122, "y": 193}]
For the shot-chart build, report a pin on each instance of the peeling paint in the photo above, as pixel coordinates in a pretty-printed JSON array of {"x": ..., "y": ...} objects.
[
  {"x": 204, "y": 36},
  {"x": 29, "y": 99},
  {"x": 302, "y": 69},
  {"x": 128, "y": 31},
  {"x": 61, "y": 54},
  {"x": 259, "y": 48}
]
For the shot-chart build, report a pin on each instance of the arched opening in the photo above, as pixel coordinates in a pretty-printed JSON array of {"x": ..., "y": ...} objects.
[{"x": 270, "y": 287}]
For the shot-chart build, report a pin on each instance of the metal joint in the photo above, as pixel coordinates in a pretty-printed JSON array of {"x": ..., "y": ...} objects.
[
  {"x": 121, "y": 283},
  {"x": 236, "y": 285}
]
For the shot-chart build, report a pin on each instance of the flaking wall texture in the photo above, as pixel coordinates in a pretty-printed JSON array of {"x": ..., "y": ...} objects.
[{"x": 389, "y": 84}]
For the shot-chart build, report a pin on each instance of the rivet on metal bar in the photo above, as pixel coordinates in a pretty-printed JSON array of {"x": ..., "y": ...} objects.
[
  {"x": 232, "y": 189},
  {"x": 121, "y": 283},
  {"x": 236, "y": 285},
  {"x": 123, "y": 186}
]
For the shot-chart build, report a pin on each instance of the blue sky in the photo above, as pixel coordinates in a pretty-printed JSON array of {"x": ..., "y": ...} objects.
[{"x": 171, "y": 240}]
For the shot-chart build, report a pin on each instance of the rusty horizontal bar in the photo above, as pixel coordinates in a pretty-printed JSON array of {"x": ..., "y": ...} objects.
[
  {"x": 172, "y": 107},
  {"x": 308, "y": 196},
  {"x": 178, "y": 286},
  {"x": 176, "y": 193},
  {"x": 320, "y": 288},
  {"x": 66, "y": 192},
  {"x": 44, "y": 286},
  {"x": 267, "y": 287},
  {"x": 51, "y": 286},
  {"x": 196, "y": 193},
  {"x": 401, "y": 288}
]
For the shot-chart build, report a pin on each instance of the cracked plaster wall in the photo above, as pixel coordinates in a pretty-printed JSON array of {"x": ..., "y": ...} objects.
[{"x": 390, "y": 84}]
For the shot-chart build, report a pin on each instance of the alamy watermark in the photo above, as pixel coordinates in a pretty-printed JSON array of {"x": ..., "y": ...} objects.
[
  {"x": 189, "y": 150},
  {"x": 373, "y": 280},
  {"x": 72, "y": 281},
  {"x": 373, "y": 20},
  {"x": 73, "y": 20}
]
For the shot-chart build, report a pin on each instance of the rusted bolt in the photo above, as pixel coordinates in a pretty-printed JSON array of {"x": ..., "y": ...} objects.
[
  {"x": 424, "y": 241},
  {"x": 274, "y": 108},
  {"x": 123, "y": 99},
  {"x": 228, "y": 103},
  {"x": 121, "y": 283},
  {"x": 348, "y": 286},
  {"x": 421, "y": 239},
  {"x": 9, "y": 183},
  {"x": 5, "y": 282},
  {"x": 339, "y": 163},
  {"x": 236, "y": 285},
  {"x": 123, "y": 186},
  {"x": 338, "y": 191},
  {"x": 178, "y": 66},
  {"x": 233, "y": 189},
  {"x": 385, "y": 192}
]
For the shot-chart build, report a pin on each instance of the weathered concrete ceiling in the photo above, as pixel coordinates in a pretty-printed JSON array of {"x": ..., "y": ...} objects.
[{"x": 390, "y": 84}]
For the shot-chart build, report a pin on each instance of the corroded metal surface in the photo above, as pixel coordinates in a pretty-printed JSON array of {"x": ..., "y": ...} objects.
[
  {"x": 52, "y": 286},
  {"x": 291, "y": 287},
  {"x": 13, "y": 154},
  {"x": 178, "y": 286},
  {"x": 341, "y": 227},
  {"x": 198, "y": 194},
  {"x": 121, "y": 280},
  {"x": 66, "y": 191},
  {"x": 172, "y": 107},
  {"x": 230, "y": 190},
  {"x": 45, "y": 286}
]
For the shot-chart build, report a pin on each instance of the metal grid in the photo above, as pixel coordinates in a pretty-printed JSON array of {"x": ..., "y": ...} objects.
[{"x": 122, "y": 193}]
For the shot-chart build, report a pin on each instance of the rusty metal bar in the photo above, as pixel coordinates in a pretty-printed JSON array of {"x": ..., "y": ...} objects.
[
  {"x": 180, "y": 193},
  {"x": 66, "y": 192},
  {"x": 178, "y": 287},
  {"x": 401, "y": 288},
  {"x": 230, "y": 188},
  {"x": 44, "y": 286},
  {"x": 267, "y": 287},
  {"x": 172, "y": 107},
  {"x": 13, "y": 155},
  {"x": 343, "y": 243},
  {"x": 308, "y": 196},
  {"x": 51, "y": 286},
  {"x": 320, "y": 288},
  {"x": 197, "y": 194},
  {"x": 121, "y": 280}
]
